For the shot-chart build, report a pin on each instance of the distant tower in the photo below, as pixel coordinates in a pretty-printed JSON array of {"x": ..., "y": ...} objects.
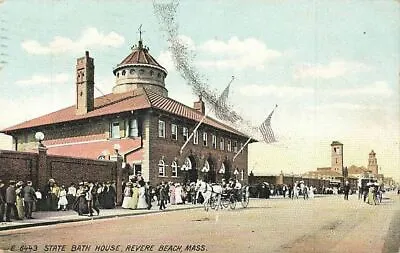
[
  {"x": 373, "y": 163},
  {"x": 337, "y": 157},
  {"x": 84, "y": 84}
]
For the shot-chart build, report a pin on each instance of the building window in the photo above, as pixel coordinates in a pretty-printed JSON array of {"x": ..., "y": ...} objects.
[
  {"x": 174, "y": 131},
  {"x": 161, "y": 129},
  {"x": 221, "y": 144},
  {"x": 185, "y": 133},
  {"x": 137, "y": 169},
  {"x": 235, "y": 148},
  {"x": 132, "y": 71},
  {"x": 196, "y": 137},
  {"x": 214, "y": 141},
  {"x": 229, "y": 148},
  {"x": 114, "y": 130},
  {"x": 151, "y": 72},
  {"x": 205, "y": 139},
  {"x": 123, "y": 72},
  {"x": 161, "y": 168},
  {"x": 241, "y": 147},
  {"x": 131, "y": 128},
  {"x": 174, "y": 167}
]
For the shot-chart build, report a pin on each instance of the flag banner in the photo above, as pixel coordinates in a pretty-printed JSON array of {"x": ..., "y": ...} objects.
[{"x": 266, "y": 130}]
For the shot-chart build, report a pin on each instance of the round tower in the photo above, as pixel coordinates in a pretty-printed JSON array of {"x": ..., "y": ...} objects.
[{"x": 139, "y": 69}]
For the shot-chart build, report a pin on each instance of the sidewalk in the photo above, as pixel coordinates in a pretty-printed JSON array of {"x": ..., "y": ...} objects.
[{"x": 55, "y": 217}]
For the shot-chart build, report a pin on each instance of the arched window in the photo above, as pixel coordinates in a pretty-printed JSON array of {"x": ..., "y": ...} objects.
[
  {"x": 161, "y": 168},
  {"x": 222, "y": 169},
  {"x": 132, "y": 71},
  {"x": 117, "y": 74},
  {"x": 151, "y": 72},
  {"x": 123, "y": 72},
  {"x": 174, "y": 167},
  {"x": 187, "y": 165},
  {"x": 221, "y": 144},
  {"x": 206, "y": 167}
]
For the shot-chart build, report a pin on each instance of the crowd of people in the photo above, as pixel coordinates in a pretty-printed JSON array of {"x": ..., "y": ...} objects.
[{"x": 18, "y": 198}]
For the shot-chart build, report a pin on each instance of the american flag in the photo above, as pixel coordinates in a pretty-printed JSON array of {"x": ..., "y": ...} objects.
[
  {"x": 266, "y": 130},
  {"x": 221, "y": 107}
]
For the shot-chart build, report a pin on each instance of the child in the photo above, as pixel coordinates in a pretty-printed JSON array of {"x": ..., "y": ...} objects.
[{"x": 62, "y": 199}]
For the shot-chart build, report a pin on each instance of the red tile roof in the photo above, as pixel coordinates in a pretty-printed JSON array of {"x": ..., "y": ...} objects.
[
  {"x": 94, "y": 149},
  {"x": 140, "y": 55},
  {"x": 77, "y": 139},
  {"x": 124, "y": 102}
]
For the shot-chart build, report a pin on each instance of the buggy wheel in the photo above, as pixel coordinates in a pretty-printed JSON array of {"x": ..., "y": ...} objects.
[
  {"x": 213, "y": 203},
  {"x": 232, "y": 201},
  {"x": 225, "y": 202}
]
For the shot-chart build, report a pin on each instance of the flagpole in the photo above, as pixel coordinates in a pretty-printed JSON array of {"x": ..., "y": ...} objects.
[
  {"x": 247, "y": 142},
  {"x": 201, "y": 121},
  {"x": 191, "y": 135}
]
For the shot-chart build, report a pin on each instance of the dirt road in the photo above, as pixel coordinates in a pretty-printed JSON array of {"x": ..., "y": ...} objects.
[{"x": 327, "y": 224}]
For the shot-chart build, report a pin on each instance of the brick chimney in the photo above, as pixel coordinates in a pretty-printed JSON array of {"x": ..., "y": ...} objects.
[
  {"x": 199, "y": 106},
  {"x": 84, "y": 84}
]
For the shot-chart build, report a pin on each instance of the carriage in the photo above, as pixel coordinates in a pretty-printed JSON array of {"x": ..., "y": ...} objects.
[{"x": 228, "y": 199}]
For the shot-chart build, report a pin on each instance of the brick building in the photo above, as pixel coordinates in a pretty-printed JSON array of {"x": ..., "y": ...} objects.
[{"x": 141, "y": 123}]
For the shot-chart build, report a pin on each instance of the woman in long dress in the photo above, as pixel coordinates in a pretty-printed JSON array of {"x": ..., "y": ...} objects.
[
  {"x": 311, "y": 193},
  {"x": 20, "y": 200},
  {"x": 178, "y": 194},
  {"x": 127, "y": 196},
  {"x": 142, "y": 204},
  {"x": 133, "y": 203},
  {"x": 172, "y": 194},
  {"x": 371, "y": 196}
]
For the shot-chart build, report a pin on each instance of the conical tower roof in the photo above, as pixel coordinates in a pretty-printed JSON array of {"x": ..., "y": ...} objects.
[{"x": 139, "y": 56}]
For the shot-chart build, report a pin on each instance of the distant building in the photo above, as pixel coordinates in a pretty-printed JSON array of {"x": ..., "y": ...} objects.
[
  {"x": 337, "y": 157},
  {"x": 372, "y": 163}
]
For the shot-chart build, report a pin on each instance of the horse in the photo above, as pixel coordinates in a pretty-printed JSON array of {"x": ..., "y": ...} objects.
[{"x": 207, "y": 190}]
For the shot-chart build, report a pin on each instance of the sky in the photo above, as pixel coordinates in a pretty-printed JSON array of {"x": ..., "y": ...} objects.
[{"x": 332, "y": 67}]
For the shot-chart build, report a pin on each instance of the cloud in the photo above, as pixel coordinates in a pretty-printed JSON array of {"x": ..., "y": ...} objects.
[
  {"x": 238, "y": 54},
  {"x": 379, "y": 88},
  {"x": 44, "y": 80},
  {"x": 166, "y": 60},
  {"x": 90, "y": 38},
  {"x": 331, "y": 70},
  {"x": 344, "y": 106},
  {"x": 255, "y": 90}
]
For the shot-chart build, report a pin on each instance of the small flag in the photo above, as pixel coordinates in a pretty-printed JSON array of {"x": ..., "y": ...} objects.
[
  {"x": 221, "y": 108},
  {"x": 266, "y": 130}
]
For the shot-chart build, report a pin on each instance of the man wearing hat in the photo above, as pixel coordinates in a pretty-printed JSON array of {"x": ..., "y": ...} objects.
[
  {"x": 29, "y": 198},
  {"x": 11, "y": 198},
  {"x": 2, "y": 200}
]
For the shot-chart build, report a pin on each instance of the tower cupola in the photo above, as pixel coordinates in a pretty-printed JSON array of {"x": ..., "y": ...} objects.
[{"x": 139, "y": 69}]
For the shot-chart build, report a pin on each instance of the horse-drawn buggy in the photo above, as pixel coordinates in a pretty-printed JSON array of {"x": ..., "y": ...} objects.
[{"x": 215, "y": 196}]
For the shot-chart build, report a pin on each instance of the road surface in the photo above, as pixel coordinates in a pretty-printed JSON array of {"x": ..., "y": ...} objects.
[{"x": 326, "y": 224}]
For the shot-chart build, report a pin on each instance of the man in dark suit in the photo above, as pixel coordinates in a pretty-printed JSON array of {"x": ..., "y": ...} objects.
[
  {"x": 11, "y": 198},
  {"x": 346, "y": 190},
  {"x": 163, "y": 196},
  {"x": 29, "y": 198},
  {"x": 2, "y": 200}
]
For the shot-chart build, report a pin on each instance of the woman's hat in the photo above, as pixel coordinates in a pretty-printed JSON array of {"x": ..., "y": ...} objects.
[
  {"x": 1, "y": 183},
  {"x": 20, "y": 183}
]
